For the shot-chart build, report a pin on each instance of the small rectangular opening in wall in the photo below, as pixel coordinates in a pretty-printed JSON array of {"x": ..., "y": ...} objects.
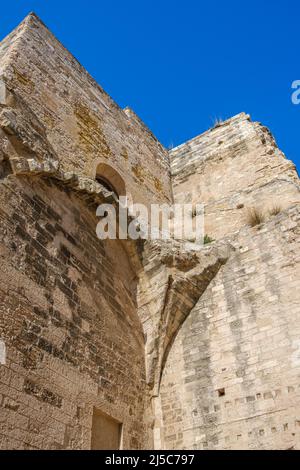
[
  {"x": 221, "y": 392},
  {"x": 106, "y": 432}
]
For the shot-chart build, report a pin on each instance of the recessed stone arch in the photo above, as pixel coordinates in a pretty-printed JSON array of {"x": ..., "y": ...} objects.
[{"x": 109, "y": 177}]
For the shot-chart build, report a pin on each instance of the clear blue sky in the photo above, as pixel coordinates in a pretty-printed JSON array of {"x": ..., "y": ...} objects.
[{"x": 181, "y": 64}]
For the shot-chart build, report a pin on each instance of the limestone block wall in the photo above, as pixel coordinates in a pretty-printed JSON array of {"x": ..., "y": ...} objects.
[
  {"x": 68, "y": 320},
  {"x": 83, "y": 125},
  {"x": 219, "y": 325},
  {"x": 230, "y": 169},
  {"x": 173, "y": 277},
  {"x": 231, "y": 380}
]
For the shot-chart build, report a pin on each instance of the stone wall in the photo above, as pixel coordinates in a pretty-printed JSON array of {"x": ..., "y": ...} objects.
[
  {"x": 232, "y": 376},
  {"x": 198, "y": 346},
  {"x": 68, "y": 319},
  {"x": 230, "y": 169},
  {"x": 83, "y": 125}
]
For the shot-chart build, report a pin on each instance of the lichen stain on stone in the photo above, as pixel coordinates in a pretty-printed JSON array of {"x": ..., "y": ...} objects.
[
  {"x": 142, "y": 175},
  {"x": 23, "y": 80},
  {"x": 139, "y": 172},
  {"x": 91, "y": 137},
  {"x": 158, "y": 184},
  {"x": 124, "y": 153},
  {"x": 49, "y": 120}
]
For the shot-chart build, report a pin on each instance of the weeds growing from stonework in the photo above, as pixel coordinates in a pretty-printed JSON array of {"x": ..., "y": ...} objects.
[
  {"x": 275, "y": 210},
  {"x": 217, "y": 122},
  {"x": 255, "y": 217},
  {"x": 207, "y": 240}
]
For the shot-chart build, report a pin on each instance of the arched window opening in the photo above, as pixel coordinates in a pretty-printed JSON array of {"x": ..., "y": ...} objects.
[
  {"x": 108, "y": 177},
  {"x": 107, "y": 185}
]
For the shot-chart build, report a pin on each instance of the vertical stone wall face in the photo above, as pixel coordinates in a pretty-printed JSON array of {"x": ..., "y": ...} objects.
[
  {"x": 188, "y": 347},
  {"x": 83, "y": 124},
  {"x": 231, "y": 168},
  {"x": 232, "y": 376},
  {"x": 68, "y": 319}
]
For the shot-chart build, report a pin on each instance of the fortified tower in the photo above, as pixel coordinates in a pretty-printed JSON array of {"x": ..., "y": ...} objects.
[{"x": 162, "y": 344}]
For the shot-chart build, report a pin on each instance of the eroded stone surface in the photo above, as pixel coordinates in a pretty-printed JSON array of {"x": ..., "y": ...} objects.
[
  {"x": 231, "y": 379},
  {"x": 230, "y": 168},
  {"x": 174, "y": 277},
  {"x": 184, "y": 346}
]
